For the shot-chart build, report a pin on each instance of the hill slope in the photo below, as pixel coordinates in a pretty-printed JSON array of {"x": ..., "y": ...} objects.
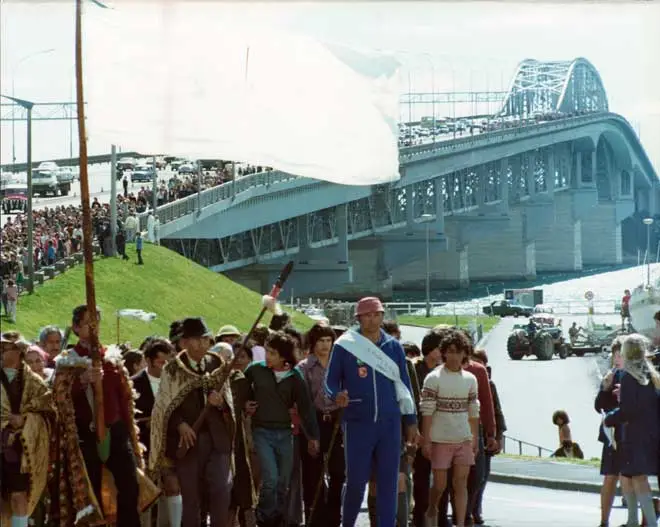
[{"x": 168, "y": 284}]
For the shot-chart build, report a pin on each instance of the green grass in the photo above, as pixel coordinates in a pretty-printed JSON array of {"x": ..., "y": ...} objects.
[
  {"x": 463, "y": 320},
  {"x": 168, "y": 284},
  {"x": 593, "y": 462}
]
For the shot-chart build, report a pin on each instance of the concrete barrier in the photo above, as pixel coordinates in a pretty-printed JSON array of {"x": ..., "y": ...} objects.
[
  {"x": 60, "y": 266},
  {"x": 70, "y": 261},
  {"x": 39, "y": 277},
  {"x": 49, "y": 272},
  {"x": 78, "y": 257}
]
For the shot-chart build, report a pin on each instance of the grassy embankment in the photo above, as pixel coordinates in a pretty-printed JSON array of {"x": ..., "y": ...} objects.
[
  {"x": 168, "y": 284},
  {"x": 463, "y": 321}
]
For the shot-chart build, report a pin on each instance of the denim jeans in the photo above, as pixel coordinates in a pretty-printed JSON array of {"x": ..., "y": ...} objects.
[{"x": 275, "y": 451}]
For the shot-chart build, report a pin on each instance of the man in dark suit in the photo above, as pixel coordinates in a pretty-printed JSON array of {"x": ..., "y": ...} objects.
[
  {"x": 202, "y": 458},
  {"x": 146, "y": 383}
]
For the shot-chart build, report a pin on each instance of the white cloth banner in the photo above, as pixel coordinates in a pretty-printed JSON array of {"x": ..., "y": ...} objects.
[
  {"x": 366, "y": 351},
  {"x": 137, "y": 314},
  {"x": 187, "y": 79}
]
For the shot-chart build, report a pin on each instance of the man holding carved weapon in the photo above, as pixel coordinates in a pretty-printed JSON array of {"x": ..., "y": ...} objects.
[
  {"x": 193, "y": 425},
  {"x": 99, "y": 479}
]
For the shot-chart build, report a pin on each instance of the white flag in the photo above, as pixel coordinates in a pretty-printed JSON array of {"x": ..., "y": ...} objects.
[
  {"x": 138, "y": 314},
  {"x": 188, "y": 79}
]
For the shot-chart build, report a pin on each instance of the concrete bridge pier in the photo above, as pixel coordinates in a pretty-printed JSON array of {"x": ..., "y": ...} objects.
[
  {"x": 509, "y": 251},
  {"x": 559, "y": 246},
  {"x": 448, "y": 261},
  {"x": 601, "y": 232}
]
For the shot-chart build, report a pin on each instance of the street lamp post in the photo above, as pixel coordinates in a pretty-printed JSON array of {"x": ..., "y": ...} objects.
[
  {"x": 428, "y": 218},
  {"x": 648, "y": 222},
  {"x": 30, "y": 223},
  {"x": 13, "y": 94}
]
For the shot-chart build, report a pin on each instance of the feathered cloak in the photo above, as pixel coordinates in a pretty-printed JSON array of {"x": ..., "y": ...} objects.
[
  {"x": 77, "y": 501},
  {"x": 38, "y": 410},
  {"x": 176, "y": 382}
]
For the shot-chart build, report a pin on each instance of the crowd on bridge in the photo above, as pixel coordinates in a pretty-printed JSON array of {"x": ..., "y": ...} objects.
[{"x": 243, "y": 431}]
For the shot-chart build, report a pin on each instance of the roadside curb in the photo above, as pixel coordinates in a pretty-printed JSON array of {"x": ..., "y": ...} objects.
[{"x": 545, "y": 483}]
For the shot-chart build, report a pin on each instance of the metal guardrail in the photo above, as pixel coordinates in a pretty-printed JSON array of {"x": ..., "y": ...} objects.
[{"x": 520, "y": 443}]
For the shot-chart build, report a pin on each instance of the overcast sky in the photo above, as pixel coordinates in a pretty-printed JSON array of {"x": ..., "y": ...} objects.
[{"x": 467, "y": 46}]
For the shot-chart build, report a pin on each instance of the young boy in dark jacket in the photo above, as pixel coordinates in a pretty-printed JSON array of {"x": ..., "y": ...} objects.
[{"x": 275, "y": 386}]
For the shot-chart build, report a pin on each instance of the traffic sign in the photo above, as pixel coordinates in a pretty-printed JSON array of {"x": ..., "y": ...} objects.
[{"x": 589, "y": 295}]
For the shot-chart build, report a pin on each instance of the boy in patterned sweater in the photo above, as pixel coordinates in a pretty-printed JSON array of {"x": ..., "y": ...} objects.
[{"x": 450, "y": 425}]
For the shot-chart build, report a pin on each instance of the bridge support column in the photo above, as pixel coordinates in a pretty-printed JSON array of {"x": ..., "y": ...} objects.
[
  {"x": 601, "y": 232},
  {"x": 448, "y": 260},
  {"x": 559, "y": 245},
  {"x": 505, "y": 254}
]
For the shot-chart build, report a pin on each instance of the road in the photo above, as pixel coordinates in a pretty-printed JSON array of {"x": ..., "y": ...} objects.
[
  {"x": 531, "y": 390},
  {"x": 518, "y": 506},
  {"x": 99, "y": 187}
]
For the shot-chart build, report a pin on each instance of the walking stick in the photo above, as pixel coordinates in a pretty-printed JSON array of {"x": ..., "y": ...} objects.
[
  {"x": 326, "y": 461},
  {"x": 101, "y": 433},
  {"x": 227, "y": 368}
]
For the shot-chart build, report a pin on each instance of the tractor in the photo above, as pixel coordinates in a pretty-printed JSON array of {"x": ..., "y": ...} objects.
[{"x": 544, "y": 344}]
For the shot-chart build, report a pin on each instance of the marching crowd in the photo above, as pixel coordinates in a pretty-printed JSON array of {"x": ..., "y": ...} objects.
[{"x": 284, "y": 429}]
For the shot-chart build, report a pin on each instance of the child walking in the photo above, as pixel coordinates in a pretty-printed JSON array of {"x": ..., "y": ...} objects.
[
  {"x": 12, "y": 300},
  {"x": 450, "y": 424}
]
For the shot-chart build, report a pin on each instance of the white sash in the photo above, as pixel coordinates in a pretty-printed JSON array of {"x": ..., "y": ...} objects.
[{"x": 366, "y": 351}]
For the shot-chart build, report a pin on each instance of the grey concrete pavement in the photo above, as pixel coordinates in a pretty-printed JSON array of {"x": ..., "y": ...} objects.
[{"x": 513, "y": 506}]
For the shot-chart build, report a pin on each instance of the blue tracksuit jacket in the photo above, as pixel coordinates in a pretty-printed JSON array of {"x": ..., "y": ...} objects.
[
  {"x": 372, "y": 429},
  {"x": 377, "y": 393}
]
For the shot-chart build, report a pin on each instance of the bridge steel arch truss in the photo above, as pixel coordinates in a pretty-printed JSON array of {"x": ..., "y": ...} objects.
[{"x": 557, "y": 86}]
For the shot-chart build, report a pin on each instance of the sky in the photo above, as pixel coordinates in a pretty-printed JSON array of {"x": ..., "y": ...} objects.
[{"x": 450, "y": 47}]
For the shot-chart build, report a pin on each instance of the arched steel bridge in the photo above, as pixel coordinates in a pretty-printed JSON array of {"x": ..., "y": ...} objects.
[{"x": 555, "y": 86}]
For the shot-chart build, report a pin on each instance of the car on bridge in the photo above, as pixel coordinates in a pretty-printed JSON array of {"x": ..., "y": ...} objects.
[
  {"x": 505, "y": 308},
  {"x": 125, "y": 163},
  {"x": 143, "y": 173}
]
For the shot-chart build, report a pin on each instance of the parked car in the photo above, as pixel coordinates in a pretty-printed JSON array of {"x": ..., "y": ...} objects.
[
  {"x": 64, "y": 180},
  {"x": 143, "y": 173},
  {"x": 13, "y": 196},
  {"x": 505, "y": 308},
  {"x": 45, "y": 182},
  {"x": 188, "y": 168},
  {"x": 125, "y": 163}
]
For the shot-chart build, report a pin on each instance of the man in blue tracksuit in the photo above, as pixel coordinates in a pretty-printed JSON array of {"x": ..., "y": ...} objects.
[{"x": 372, "y": 417}]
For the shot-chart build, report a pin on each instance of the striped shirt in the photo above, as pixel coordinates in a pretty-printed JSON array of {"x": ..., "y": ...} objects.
[{"x": 451, "y": 399}]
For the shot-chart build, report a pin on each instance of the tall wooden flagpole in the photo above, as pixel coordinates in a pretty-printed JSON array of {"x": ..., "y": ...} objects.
[{"x": 87, "y": 240}]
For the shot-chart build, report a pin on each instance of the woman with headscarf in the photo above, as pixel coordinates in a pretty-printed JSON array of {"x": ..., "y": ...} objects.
[
  {"x": 610, "y": 460},
  {"x": 637, "y": 416}
]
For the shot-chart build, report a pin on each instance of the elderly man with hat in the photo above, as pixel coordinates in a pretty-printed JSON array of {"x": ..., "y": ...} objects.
[
  {"x": 200, "y": 458},
  {"x": 368, "y": 377},
  {"x": 26, "y": 416}
]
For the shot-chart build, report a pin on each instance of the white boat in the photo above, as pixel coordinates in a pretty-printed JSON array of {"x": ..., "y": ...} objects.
[{"x": 645, "y": 303}]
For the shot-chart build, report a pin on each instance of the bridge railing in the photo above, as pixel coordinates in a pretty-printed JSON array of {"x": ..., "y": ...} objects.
[
  {"x": 523, "y": 448},
  {"x": 189, "y": 204},
  {"x": 195, "y": 202}
]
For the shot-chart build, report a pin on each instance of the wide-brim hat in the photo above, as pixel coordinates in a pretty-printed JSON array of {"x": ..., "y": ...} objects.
[
  {"x": 228, "y": 331},
  {"x": 194, "y": 328},
  {"x": 10, "y": 339}
]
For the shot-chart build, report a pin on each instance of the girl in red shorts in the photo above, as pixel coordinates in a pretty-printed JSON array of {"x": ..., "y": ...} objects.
[{"x": 450, "y": 425}]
